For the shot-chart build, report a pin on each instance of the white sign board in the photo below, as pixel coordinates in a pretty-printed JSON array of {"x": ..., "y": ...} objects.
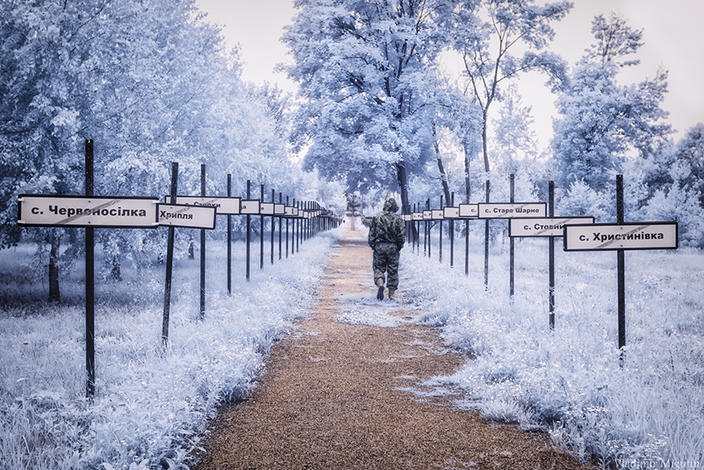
[
  {"x": 427, "y": 215},
  {"x": 290, "y": 211},
  {"x": 96, "y": 211},
  {"x": 543, "y": 227},
  {"x": 451, "y": 213},
  {"x": 469, "y": 210},
  {"x": 627, "y": 236},
  {"x": 222, "y": 205},
  {"x": 437, "y": 214},
  {"x": 279, "y": 209},
  {"x": 182, "y": 215},
  {"x": 511, "y": 210},
  {"x": 267, "y": 208},
  {"x": 417, "y": 216},
  {"x": 249, "y": 206}
]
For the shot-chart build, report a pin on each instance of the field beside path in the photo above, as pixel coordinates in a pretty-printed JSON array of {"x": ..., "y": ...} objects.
[{"x": 345, "y": 391}]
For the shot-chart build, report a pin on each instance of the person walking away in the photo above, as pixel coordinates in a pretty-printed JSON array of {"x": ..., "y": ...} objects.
[{"x": 386, "y": 237}]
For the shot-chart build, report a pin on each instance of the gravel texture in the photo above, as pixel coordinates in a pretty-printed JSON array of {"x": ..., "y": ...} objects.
[{"x": 337, "y": 395}]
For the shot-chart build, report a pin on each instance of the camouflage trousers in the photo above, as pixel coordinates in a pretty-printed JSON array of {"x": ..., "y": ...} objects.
[{"x": 386, "y": 257}]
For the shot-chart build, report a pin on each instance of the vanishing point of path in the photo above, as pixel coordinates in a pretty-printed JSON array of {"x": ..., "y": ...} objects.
[{"x": 331, "y": 395}]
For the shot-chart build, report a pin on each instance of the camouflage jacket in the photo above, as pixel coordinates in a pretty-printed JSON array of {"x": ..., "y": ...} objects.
[{"x": 387, "y": 227}]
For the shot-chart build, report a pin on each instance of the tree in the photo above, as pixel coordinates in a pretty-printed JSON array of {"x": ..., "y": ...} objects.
[
  {"x": 151, "y": 83},
  {"x": 603, "y": 121},
  {"x": 365, "y": 71},
  {"x": 487, "y": 35}
]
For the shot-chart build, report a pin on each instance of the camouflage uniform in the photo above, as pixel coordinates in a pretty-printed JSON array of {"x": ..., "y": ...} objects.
[{"x": 386, "y": 237}]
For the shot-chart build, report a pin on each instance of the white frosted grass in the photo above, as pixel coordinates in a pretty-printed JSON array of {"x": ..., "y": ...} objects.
[
  {"x": 151, "y": 408},
  {"x": 569, "y": 381}
]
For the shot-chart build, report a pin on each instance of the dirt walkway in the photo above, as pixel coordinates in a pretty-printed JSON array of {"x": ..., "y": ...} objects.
[{"x": 333, "y": 398}]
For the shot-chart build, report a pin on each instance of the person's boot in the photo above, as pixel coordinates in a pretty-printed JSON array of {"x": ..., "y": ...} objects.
[
  {"x": 391, "y": 293},
  {"x": 380, "y": 285}
]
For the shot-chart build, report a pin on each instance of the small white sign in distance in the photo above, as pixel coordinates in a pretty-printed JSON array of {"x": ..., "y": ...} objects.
[
  {"x": 289, "y": 211},
  {"x": 223, "y": 205},
  {"x": 183, "y": 215},
  {"x": 267, "y": 208},
  {"x": 627, "y": 236},
  {"x": 543, "y": 227},
  {"x": 249, "y": 206},
  {"x": 511, "y": 210},
  {"x": 437, "y": 214},
  {"x": 468, "y": 211},
  {"x": 78, "y": 211},
  {"x": 417, "y": 216},
  {"x": 279, "y": 209},
  {"x": 427, "y": 215},
  {"x": 451, "y": 213}
]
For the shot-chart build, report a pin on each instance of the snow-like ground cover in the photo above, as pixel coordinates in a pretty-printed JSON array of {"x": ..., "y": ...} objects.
[
  {"x": 647, "y": 414},
  {"x": 366, "y": 309},
  {"x": 151, "y": 407}
]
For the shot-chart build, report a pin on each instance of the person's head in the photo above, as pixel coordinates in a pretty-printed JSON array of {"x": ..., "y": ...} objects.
[{"x": 390, "y": 205}]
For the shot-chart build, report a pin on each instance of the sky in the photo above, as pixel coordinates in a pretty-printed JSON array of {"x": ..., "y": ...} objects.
[{"x": 673, "y": 40}]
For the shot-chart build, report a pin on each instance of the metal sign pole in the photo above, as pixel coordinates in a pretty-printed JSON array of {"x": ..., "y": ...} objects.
[
  {"x": 486, "y": 242},
  {"x": 229, "y": 238},
  {"x": 280, "y": 223},
  {"x": 440, "y": 233},
  {"x": 452, "y": 234},
  {"x": 90, "y": 278},
  {"x": 621, "y": 262},
  {"x": 551, "y": 245},
  {"x": 414, "y": 235},
  {"x": 169, "y": 263},
  {"x": 294, "y": 224},
  {"x": 428, "y": 228},
  {"x": 287, "y": 230},
  {"x": 511, "y": 246},
  {"x": 261, "y": 229},
  {"x": 272, "y": 227},
  {"x": 248, "y": 236},
  {"x": 202, "y": 248}
]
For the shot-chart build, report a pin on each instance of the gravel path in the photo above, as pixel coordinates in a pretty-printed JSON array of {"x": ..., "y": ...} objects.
[{"x": 336, "y": 395}]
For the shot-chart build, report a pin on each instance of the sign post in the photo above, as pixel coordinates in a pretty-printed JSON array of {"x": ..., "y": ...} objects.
[
  {"x": 551, "y": 257},
  {"x": 87, "y": 211},
  {"x": 261, "y": 228},
  {"x": 620, "y": 237},
  {"x": 202, "y": 248},
  {"x": 90, "y": 278},
  {"x": 272, "y": 227},
  {"x": 440, "y": 230},
  {"x": 452, "y": 233},
  {"x": 229, "y": 238},
  {"x": 280, "y": 209},
  {"x": 249, "y": 187},
  {"x": 486, "y": 241},
  {"x": 510, "y": 241},
  {"x": 169, "y": 264}
]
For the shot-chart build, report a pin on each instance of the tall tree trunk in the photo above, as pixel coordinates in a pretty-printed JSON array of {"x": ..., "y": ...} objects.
[
  {"x": 55, "y": 240},
  {"x": 115, "y": 272},
  {"x": 485, "y": 151},
  {"x": 441, "y": 167},
  {"x": 403, "y": 184},
  {"x": 466, "y": 174}
]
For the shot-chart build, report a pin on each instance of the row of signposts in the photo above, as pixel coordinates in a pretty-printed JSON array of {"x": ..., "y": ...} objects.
[
  {"x": 177, "y": 211},
  {"x": 538, "y": 219}
]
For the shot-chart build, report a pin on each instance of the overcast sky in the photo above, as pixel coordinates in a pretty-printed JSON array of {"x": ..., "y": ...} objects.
[{"x": 672, "y": 34}]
